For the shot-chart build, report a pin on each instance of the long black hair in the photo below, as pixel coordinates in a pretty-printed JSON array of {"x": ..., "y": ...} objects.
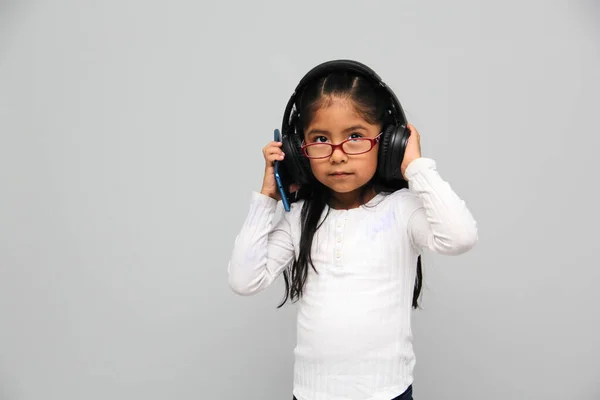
[{"x": 371, "y": 105}]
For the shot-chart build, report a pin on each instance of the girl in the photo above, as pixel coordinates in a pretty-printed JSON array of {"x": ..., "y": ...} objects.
[{"x": 350, "y": 247}]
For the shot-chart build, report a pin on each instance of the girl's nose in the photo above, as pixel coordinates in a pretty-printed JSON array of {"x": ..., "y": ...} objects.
[{"x": 338, "y": 156}]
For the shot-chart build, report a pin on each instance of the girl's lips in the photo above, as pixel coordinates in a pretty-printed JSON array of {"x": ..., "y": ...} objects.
[{"x": 340, "y": 174}]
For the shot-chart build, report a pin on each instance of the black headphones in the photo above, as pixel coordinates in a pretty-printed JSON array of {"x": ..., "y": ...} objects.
[{"x": 394, "y": 137}]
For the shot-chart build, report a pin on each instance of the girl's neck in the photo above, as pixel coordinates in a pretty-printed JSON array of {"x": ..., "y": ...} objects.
[{"x": 354, "y": 199}]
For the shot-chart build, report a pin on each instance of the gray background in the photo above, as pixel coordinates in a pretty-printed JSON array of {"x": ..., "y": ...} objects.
[{"x": 131, "y": 136}]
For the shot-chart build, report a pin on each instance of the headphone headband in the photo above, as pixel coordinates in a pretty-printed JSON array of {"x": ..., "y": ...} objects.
[
  {"x": 328, "y": 67},
  {"x": 338, "y": 65}
]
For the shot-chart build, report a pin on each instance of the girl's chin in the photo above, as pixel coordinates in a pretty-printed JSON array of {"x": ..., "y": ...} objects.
[
  {"x": 344, "y": 188},
  {"x": 343, "y": 183}
]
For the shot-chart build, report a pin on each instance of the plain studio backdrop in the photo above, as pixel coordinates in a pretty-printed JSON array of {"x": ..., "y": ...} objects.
[{"x": 131, "y": 137}]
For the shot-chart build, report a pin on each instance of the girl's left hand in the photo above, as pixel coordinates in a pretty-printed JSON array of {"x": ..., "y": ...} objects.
[{"x": 413, "y": 148}]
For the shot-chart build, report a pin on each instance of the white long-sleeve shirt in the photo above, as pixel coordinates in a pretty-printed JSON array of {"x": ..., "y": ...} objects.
[{"x": 354, "y": 338}]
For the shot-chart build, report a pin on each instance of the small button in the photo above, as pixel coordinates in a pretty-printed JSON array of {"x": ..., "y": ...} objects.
[{"x": 339, "y": 239}]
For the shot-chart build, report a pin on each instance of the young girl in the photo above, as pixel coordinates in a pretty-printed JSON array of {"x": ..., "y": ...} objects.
[{"x": 350, "y": 247}]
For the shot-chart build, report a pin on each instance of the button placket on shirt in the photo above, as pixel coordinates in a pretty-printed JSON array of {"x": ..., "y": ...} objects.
[{"x": 339, "y": 239}]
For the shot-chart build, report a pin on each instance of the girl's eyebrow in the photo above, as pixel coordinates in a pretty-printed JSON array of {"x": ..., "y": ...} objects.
[
  {"x": 326, "y": 132},
  {"x": 355, "y": 128}
]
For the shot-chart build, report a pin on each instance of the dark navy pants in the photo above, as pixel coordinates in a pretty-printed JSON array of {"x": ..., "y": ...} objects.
[{"x": 407, "y": 395}]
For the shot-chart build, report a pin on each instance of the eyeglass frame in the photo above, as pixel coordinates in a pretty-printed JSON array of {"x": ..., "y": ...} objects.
[{"x": 373, "y": 142}]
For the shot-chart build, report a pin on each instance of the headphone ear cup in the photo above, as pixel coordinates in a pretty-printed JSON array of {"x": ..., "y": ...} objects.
[
  {"x": 294, "y": 161},
  {"x": 384, "y": 146},
  {"x": 391, "y": 152}
]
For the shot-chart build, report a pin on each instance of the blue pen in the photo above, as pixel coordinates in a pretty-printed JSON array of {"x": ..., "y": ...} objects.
[{"x": 280, "y": 183}]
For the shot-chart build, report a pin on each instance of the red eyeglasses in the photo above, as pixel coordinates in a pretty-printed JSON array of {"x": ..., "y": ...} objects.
[{"x": 350, "y": 147}]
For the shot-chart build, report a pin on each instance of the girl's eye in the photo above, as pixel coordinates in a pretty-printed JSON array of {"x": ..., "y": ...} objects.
[
  {"x": 320, "y": 139},
  {"x": 355, "y": 136}
]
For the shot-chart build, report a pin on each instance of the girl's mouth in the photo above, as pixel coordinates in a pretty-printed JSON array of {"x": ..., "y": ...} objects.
[{"x": 340, "y": 174}]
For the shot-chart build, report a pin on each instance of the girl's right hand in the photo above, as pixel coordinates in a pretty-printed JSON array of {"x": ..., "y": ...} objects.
[{"x": 272, "y": 152}]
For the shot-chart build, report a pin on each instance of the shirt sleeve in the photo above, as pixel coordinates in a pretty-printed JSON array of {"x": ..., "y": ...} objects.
[
  {"x": 261, "y": 250},
  {"x": 439, "y": 219}
]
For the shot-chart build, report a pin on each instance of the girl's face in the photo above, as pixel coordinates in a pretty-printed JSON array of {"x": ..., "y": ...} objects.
[{"x": 344, "y": 174}]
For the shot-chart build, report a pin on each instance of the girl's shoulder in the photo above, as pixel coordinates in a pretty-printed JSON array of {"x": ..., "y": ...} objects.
[
  {"x": 402, "y": 201},
  {"x": 397, "y": 195},
  {"x": 295, "y": 211}
]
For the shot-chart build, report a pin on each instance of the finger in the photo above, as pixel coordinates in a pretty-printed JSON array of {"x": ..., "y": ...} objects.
[
  {"x": 412, "y": 129},
  {"x": 275, "y": 156},
  {"x": 273, "y": 150},
  {"x": 294, "y": 187},
  {"x": 272, "y": 145}
]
